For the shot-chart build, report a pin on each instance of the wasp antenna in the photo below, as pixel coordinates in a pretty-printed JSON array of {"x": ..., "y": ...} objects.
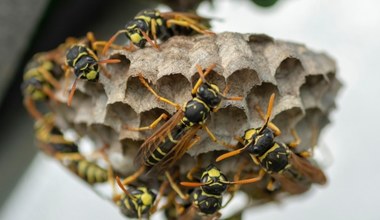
[
  {"x": 251, "y": 180},
  {"x": 231, "y": 153},
  {"x": 200, "y": 80},
  {"x": 192, "y": 184},
  {"x": 209, "y": 68},
  {"x": 71, "y": 95},
  {"x": 269, "y": 112},
  {"x": 201, "y": 73},
  {"x": 109, "y": 61},
  {"x": 111, "y": 40}
]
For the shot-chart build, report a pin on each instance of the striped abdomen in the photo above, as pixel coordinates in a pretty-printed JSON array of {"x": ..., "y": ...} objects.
[
  {"x": 166, "y": 145},
  {"x": 89, "y": 171}
]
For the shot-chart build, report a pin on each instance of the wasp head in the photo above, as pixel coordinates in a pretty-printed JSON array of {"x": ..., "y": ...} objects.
[{"x": 215, "y": 181}]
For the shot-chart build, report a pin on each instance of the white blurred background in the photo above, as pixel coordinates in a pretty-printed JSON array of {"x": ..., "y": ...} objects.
[{"x": 349, "y": 31}]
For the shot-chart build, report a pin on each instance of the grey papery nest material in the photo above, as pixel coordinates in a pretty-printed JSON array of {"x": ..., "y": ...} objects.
[{"x": 253, "y": 65}]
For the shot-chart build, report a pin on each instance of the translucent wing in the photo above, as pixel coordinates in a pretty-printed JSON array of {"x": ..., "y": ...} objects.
[
  {"x": 304, "y": 167},
  {"x": 153, "y": 142},
  {"x": 179, "y": 149}
]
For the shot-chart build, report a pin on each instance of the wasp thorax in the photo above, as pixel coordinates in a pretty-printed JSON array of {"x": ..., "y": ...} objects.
[{"x": 209, "y": 93}]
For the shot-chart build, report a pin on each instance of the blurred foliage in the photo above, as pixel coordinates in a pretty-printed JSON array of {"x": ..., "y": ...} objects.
[{"x": 264, "y": 3}]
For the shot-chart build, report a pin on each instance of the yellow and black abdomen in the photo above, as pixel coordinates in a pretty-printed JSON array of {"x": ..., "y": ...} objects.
[
  {"x": 166, "y": 145},
  {"x": 88, "y": 171},
  {"x": 276, "y": 159},
  {"x": 138, "y": 203}
]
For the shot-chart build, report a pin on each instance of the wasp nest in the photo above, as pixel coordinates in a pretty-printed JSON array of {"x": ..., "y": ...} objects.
[{"x": 252, "y": 65}]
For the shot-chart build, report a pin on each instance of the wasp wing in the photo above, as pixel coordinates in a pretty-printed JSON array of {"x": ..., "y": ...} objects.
[
  {"x": 291, "y": 184},
  {"x": 192, "y": 18},
  {"x": 179, "y": 149},
  {"x": 304, "y": 167},
  {"x": 153, "y": 142}
]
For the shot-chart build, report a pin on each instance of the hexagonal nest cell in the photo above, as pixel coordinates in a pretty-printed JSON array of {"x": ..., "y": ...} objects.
[{"x": 253, "y": 66}]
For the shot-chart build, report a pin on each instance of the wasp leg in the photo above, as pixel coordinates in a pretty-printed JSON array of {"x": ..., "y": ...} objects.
[
  {"x": 254, "y": 159},
  {"x": 176, "y": 188},
  {"x": 162, "y": 99},
  {"x": 239, "y": 139},
  {"x": 272, "y": 126},
  {"x": 296, "y": 140},
  {"x": 154, "y": 31},
  {"x": 105, "y": 71},
  {"x": 49, "y": 93},
  {"x": 146, "y": 36},
  {"x": 67, "y": 75},
  {"x": 49, "y": 78},
  {"x": 130, "y": 47},
  {"x": 68, "y": 156},
  {"x": 193, "y": 170},
  {"x": 234, "y": 188},
  {"x": 134, "y": 176},
  {"x": 151, "y": 126},
  {"x": 31, "y": 107},
  {"x": 272, "y": 186},
  {"x": 214, "y": 139},
  {"x": 111, "y": 179},
  {"x": 71, "y": 95},
  {"x": 160, "y": 194},
  {"x": 94, "y": 44},
  {"x": 252, "y": 180}
]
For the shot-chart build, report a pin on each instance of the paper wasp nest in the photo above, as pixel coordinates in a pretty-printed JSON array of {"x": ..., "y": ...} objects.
[{"x": 253, "y": 65}]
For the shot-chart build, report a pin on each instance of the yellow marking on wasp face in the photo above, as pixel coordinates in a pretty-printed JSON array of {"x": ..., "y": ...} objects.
[
  {"x": 214, "y": 172},
  {"x": 250, "y": 133},
  {"x": 135, "y": 38},
  {"x": 92, "y": 75},
  {"x": 147, "y": 199}
]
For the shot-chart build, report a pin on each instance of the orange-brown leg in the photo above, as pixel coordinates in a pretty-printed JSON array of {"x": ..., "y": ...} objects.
[
  {"x": 31, "y": 107},
  {"x": 134, "y": 176},
  {"x": 154, "y": 124},
  {"x": 146, "y": 36}
]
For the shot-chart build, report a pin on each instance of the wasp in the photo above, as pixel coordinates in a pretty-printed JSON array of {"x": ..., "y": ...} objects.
[
  {"x": 137, "y": 202},
  {"x": 207, "y": 197},
  {"x": 171, "y": 141},
  {"x": 293, "y": 172},
  {"x": 148, "y": 24},
  {"x": 52, "y": 142},
  {"x": 39, "y": 82},
  {"x": 85, "y": 63}
]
